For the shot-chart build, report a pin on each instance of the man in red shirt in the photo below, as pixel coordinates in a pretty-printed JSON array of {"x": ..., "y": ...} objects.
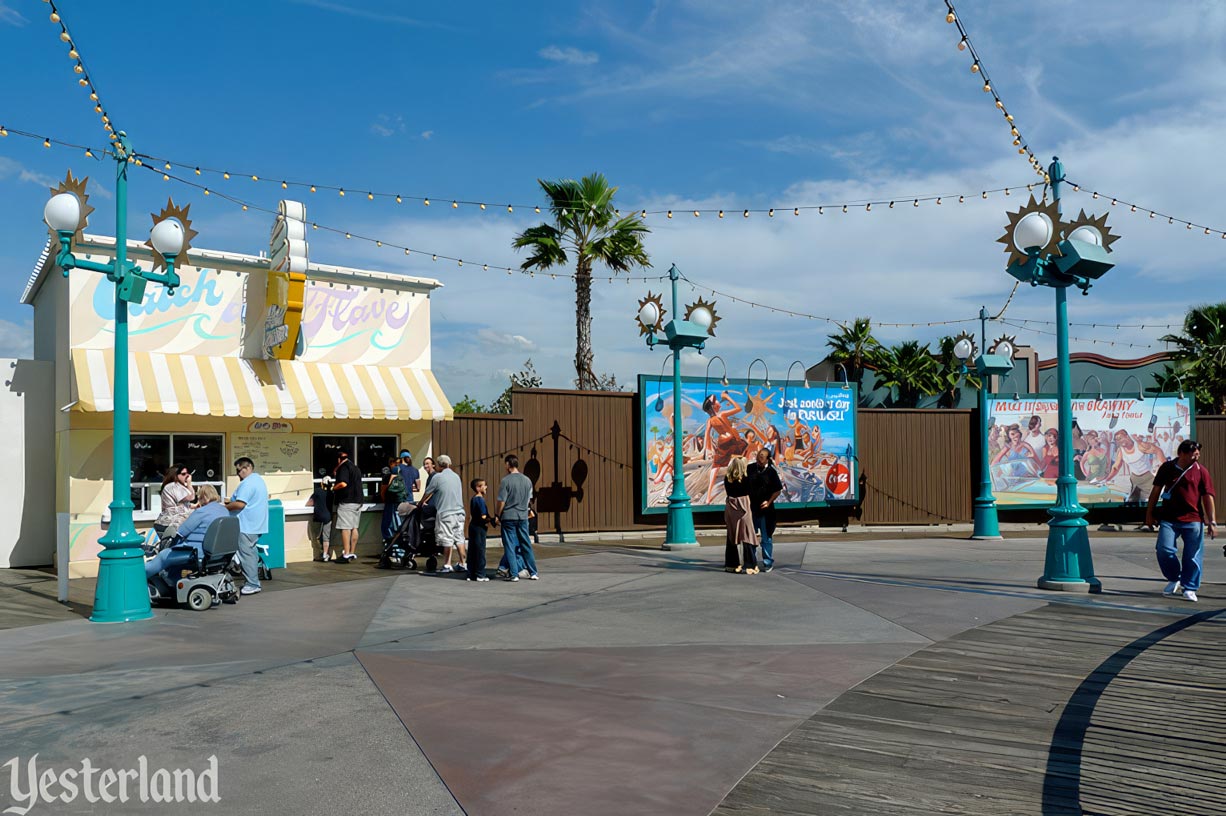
[{"x": 1186, "y": 490}]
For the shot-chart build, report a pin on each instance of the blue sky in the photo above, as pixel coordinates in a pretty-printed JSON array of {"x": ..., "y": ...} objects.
[{"x": 682, "y": 104}]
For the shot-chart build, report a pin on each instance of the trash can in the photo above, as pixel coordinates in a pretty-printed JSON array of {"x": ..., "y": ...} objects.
[{"x": 275, "y": 537}]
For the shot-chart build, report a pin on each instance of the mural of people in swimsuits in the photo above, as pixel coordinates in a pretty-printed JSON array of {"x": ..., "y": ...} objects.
[{"x": 809, "y": 432}]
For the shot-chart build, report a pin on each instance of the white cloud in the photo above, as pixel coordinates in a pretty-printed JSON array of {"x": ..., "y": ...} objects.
[
  {"x": 16, "y": 339},
  {"x": 427, "y": 134},
  {"x": 503, "y": 340},
  {"x": 569, "y": 55},
  {"x": 387, "y": 125},
  {"x": 10, "y": 168},
  {"x": 10, "y": 15}
]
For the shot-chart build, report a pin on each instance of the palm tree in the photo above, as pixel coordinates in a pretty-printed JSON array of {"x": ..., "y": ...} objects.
[
  {"x": 852, "y": 346},
  {"x": 1200, "y": 357},
  {"x": 949, "y": 374},
  {"x": 586, "y": 228},
  {"x": 908, "y": 368}
]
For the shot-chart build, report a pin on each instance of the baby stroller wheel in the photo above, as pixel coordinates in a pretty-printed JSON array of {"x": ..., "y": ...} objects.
[
  {"x": 199, "y": 599},
  {"x": 411, "y": 564},
  {"x": 432, "y": 564}
]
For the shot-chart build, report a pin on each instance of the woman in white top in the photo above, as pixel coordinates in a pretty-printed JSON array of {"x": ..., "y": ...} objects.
[{"x": 178, "y": 500}]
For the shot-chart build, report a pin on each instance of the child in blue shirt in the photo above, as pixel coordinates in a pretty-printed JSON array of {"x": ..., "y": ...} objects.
[{"x": 478, "y": 524}]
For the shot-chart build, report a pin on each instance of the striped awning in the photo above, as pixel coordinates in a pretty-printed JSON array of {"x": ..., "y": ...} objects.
[{"x": 232, "y": 386}]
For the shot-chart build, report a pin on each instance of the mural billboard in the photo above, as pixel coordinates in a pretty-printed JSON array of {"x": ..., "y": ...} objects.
[
  {"x": 1118, "y": 444},
  {"x": 810, "y": 431}
]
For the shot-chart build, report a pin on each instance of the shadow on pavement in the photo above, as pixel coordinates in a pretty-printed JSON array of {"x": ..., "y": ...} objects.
[{"x": 1062, "y": 782}]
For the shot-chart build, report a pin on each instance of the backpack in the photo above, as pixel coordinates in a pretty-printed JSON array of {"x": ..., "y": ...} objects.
[{"x": 396, "y": 492}]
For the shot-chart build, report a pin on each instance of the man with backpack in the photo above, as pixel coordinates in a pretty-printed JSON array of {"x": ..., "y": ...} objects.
[{"x": 394, "y": 491}]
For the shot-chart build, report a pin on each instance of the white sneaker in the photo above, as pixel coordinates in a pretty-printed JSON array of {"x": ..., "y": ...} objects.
[
  {"x": 248, "y": 589},
  {"x": 1190, "y": 595},
  {"x": 523, "y": 573},
  {"x": 1172, "y": 588},
  {"x": 461, "y": 567},
  {"x": 511, "y": 578},
  {"x": 534, "y": 577},
  {"x": 482, "y": 578},
  {"x": 445, "y": 568}
]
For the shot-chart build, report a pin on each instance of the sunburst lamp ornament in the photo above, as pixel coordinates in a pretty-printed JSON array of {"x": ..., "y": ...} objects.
[
  {"x": 651, "y": 313},
  {"x": 1045, "y": 250},
  {"x": 121, "y": 593},
  {"x": 691, "y": 332}
]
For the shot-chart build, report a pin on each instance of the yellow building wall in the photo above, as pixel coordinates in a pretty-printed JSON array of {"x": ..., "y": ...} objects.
[{"x": 84, "y": 453}]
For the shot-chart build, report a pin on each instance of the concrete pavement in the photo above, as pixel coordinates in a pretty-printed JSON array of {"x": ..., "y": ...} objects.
[{"x": 625, "y": 681}]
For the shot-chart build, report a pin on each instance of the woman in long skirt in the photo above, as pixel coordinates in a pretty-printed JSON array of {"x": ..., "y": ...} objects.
[{"x": 739, "y": 520}]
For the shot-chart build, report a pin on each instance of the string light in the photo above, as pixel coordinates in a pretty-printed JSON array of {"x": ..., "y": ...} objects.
[
  {"x": 1170, "y": 219},
  {"x": 79, "y": 67},
  {"x": 978, "y": 69},
  {"x": 456, "y": 203},
  {"x": 349, "y": 235}
]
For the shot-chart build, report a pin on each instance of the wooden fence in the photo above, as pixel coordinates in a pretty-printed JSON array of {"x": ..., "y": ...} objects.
[{"x": 915, "y": 466}]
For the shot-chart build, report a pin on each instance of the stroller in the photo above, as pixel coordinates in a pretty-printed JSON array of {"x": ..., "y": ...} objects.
[
  {"x": 207, "y": 581},
  {"x": 415, "y": 539}
]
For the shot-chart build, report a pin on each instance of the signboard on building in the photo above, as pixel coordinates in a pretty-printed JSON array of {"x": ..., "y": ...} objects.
[
  {"x": 810, "y": 431},
  {"x": 1118, "y": 444}
]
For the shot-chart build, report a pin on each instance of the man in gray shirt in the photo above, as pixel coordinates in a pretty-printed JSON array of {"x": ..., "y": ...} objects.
[
  {"x": 514, "y": 493},
  {"x": 447, "y": 494}
]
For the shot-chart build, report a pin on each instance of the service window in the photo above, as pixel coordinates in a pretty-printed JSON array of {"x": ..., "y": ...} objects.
[
  {"x": 203, "y": 455},
  {"x": 323, "y": 453},
  {"x": 152, "y": 454},
  {"x": 369, "y": 453}
]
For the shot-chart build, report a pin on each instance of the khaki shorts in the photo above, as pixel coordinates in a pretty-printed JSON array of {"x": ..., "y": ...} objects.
[
  {"x": 347, "y": 516},
  {"x": 449, "y": 531}
]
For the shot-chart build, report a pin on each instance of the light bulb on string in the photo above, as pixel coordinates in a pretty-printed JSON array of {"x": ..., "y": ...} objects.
[
  {"x": 425, "y": 202},
  {"x": 46, "y": 143},
  {"x": 891, "y": 205},
  {"x": 746, "y": 213},
  {"x": 987, "y": 87},
  {"x": 962, "y": 44},
  {"x": 975, "y": 67},
  {"x": 695, "y": 213},
  {"x": 844, "y": 208},
  {"x": 510, "y": 208},
  {"x": 284, "y": 186},
  {"x": 721, "y": 213},
  {"x": 796, "y": 211},
  {"x": 342, "y": 192},
  {"x": 455, "y": 206},
  {"x": 370, "y": 196},
  {"x": 225, "y": 176},
  {"x": 255, "y": 178}
]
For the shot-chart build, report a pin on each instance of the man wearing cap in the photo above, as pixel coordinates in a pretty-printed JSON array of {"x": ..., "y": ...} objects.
[
  {"x": 1186, "y": 490},
  {"x": 409, "y": 473}
]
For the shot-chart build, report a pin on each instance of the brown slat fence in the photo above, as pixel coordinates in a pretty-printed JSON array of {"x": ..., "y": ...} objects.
[{"x": 917, "y": 466}]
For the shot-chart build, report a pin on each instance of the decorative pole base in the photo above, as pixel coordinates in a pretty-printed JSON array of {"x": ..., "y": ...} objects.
[
  {"x": 122, "y": 594},
  {"x": 987, "y": 524},
  {"x": 1069, "y": 566},
  {"x": 680, "y": 532}
]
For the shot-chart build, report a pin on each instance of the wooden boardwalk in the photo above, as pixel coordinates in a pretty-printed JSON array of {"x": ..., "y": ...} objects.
[{"x": 1068, "y": 709}]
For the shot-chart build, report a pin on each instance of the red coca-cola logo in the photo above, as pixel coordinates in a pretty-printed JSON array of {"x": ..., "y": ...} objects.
[{"x": 838, "y": 480}]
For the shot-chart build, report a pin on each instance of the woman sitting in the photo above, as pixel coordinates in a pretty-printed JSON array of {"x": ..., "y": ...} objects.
[
  {"x": 164, "y": 569},
  {"x": 178, "y": 499},
  {"x": 738, "y": 520}
]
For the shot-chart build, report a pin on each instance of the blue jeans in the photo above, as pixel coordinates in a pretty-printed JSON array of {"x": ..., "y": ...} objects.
[
  {"x": 763, "y": 526},
  {"x": 390, "y": 523},
  {"x": 517, "y": 547},
  {"x": 249, "y": 557},
  {"x": 172, "y": 560},
  {"x": 1186, "y": 573}
]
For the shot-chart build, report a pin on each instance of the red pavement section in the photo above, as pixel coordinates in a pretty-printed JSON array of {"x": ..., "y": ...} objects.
[{"x": 659, "y": 730}]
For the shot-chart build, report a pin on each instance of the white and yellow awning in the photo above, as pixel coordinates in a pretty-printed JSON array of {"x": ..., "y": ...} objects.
[{"x": 232, "y": 386}]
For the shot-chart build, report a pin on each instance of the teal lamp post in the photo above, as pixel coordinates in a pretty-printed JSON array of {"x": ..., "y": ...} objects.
[
  {"x": 121, "y": 594},
  {"x": 692, "y": 332},
  {"x": 1048, "y": 251},
  {"x": 998, "y": 361}
]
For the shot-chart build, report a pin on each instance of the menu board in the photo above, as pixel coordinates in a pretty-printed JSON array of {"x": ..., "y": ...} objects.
[{"x": 274, "y": 452}]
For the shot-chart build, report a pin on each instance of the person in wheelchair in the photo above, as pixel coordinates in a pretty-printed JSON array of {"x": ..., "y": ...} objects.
[{"x": 163, "y": 569}]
